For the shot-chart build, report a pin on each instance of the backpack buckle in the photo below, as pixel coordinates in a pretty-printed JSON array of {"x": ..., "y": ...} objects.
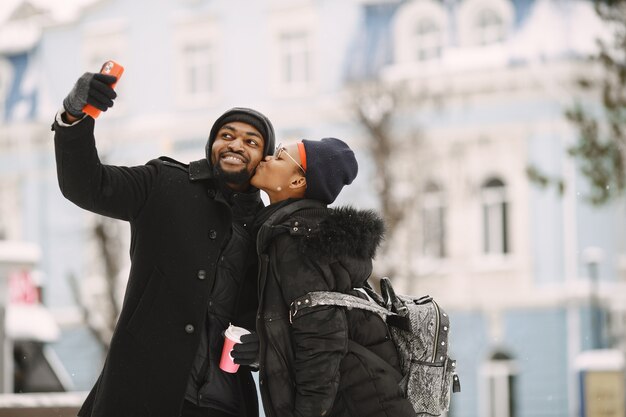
[{"x": 295, "y": 305}]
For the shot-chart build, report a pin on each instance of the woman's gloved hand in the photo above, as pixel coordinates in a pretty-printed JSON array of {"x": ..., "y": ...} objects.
[{"x": 247, "y": 352}]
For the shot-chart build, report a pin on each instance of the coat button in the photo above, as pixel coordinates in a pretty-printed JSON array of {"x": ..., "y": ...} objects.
[
  {"x": 189, "y": 328},
  {"x": 211, "y": 193},
  {"x": 212, "y": 234},
  {"x": 201, "y": 274}
]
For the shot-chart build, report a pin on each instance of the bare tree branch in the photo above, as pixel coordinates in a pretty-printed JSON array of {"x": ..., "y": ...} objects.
[
  {"x": 100, "y": 314},
  {"x": 108, "y": 245},
  {"x": 375, "y": 104},
  {"x": 87, "y": 313}
]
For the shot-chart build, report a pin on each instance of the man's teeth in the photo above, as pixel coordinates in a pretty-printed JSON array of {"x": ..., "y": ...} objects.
[{"x": 232, "y": 159}]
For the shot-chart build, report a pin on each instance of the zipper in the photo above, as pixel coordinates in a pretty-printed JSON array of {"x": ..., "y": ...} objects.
[{"x": 436, "y": 331}]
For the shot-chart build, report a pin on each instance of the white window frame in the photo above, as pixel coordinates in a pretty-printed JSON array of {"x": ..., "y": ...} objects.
[
  {"x": 495, "y": 212},
  {"x": 428, "y": 45},
  {"x": 295, "y": 60},
  {"x": 408, "y": 43},
  {"x": 497, "y": 393},
  {"x": 470, "y": 34},
  {"x": 6, "y": 80},
  {"x": 103, "y": 41},
  {"x": 490, "y": 27},
  {"x": 433, "y": 206},
  {"x": 191, "y": 38},
  {"x": 293, "y": 34}
]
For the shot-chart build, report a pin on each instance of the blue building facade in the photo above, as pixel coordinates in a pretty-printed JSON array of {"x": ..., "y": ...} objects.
[{"x": 485, "y": 84}]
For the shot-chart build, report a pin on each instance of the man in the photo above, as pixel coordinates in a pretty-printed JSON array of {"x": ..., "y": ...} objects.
[{"x": 193, "y": 261}]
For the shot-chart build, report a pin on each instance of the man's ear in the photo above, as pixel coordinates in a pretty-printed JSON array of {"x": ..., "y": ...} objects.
[{"x": 297, "y": 182}]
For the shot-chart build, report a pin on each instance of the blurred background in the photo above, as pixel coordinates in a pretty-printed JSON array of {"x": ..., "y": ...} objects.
[{"x": 490, "y": 135}]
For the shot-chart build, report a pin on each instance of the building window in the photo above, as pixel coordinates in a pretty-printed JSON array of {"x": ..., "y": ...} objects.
[
  {"x": 103, "y": 41},
  {"x": 420, "y": 32},
  {"x": 6, "y": 78},
  {"x": 484, "y": 22},
  {"x": 292, "y": 50},
  {"x": 198, "y": 69},
  {"x": 495, "y": 218},
  {"x": 489, "y": 27},
  {"x": 499, "y": 376},
  {"x": 433, "y": 222},
  {"x": 295, "y": 59},
  {"x": 428, "y": 40}
]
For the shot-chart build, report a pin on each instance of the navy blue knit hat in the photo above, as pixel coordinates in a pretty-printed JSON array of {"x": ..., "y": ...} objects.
[
  {"x": 330, "y": 164},
  {"x": 245, "y": 115}
]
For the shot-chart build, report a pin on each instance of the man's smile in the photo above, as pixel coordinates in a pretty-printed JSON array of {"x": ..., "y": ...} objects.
[{"x": 233, "y": 158}]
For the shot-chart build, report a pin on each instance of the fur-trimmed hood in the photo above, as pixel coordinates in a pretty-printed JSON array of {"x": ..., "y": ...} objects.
[
  {"x": 345, "y": 231},
  {"x": 324, "y": 232}
]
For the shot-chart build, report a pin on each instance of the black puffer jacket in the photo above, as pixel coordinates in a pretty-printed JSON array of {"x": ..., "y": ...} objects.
[{"x": 325, "y": 361}]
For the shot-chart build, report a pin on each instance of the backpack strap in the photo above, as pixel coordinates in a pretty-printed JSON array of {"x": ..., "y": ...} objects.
[
  {"x": 332, "y": 298},
  {"x": 391, "y": 299},
  {"x": 372, "y": 294}
]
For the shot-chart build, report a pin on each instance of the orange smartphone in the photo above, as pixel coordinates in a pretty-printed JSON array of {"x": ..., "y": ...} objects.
[{"x": 109, "y": 68}]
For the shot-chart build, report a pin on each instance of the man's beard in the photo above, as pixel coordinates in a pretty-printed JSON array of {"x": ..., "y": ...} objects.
[{"x": 238, "y": 178}]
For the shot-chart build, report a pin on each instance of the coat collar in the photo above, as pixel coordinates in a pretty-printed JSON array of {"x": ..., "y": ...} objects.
[{"x": 200, "y": 170}]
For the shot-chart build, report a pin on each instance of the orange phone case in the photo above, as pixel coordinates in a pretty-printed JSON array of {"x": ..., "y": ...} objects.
[{"x": 109, "y": 68}]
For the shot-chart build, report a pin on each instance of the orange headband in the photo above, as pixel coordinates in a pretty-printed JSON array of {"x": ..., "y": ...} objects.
[{"x": 302, "y": 152}]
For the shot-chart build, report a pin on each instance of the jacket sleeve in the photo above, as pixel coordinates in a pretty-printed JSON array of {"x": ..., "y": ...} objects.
[
  {"x": 113, "y": 191},
  {"x": 320, "y": 336}
]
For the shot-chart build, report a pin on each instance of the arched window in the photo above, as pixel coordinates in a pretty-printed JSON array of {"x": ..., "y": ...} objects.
[
  {"x": 428, "y": 40},
  {"x": 489, "y": 27},
  {"x": 420, "y": 32},
  {"x": 484, "y": 22},
  {"x": 495, "y": 212},
  {"x": 499, "y": 376}
]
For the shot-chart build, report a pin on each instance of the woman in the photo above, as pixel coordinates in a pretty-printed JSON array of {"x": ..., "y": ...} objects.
[{"x": 322, "y": 361}]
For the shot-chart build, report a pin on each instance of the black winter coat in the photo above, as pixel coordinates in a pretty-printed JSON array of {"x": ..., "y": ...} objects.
[
  {"x": 324, "y": 361},
  {"x": 178, "y": 228}
]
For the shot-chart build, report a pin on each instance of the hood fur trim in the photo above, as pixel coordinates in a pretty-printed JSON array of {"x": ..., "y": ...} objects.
[{"x": 345, "y": 232}]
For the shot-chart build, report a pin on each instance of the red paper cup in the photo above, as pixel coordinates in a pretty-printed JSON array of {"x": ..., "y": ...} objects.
[{"x": 232, "y": 336}]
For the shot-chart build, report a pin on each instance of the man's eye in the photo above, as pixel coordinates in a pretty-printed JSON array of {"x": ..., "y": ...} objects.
[
  {"x": 253, "y": 142},
  {"x": 226, "y": 135}
]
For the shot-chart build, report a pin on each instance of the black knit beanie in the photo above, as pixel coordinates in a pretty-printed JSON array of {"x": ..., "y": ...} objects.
[
  {"x": 244, "y": 115},
  {"x": 330, "y": 164}
]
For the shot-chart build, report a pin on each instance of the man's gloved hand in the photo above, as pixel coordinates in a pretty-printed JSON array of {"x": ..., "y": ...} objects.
[
  {"x": 247, "y": 352},
  {"x": 91, "y": 88}
]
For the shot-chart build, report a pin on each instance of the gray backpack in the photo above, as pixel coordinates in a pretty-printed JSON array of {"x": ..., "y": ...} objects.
[{"x": 419, "y": 329}]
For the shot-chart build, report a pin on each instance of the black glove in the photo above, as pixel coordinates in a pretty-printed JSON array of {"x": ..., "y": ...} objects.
[
  {"x": 91, "y": 88},
  {"x": 247, "y": 352}
]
